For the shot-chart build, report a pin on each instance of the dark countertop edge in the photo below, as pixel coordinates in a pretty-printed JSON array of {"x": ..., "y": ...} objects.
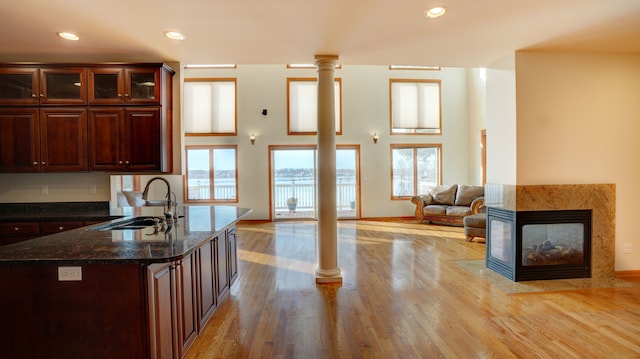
[
  {"x": 141, "y": 261},
  {"x": 61, "y": 217}
]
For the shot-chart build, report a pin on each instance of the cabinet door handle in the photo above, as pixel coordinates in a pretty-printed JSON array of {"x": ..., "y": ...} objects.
[
  {"x": 119, "y": 95},
  {"x": 42, "y": 95},
  {"x": 34, "y": 95},
  {"x": 44, "y": 163},
  {"x": 127, "y": 162},
  {"x": 119, "y": 162},
  {"x": 35, "y": 163},
  {"x": 126, "y": 95},
  {"x": 60, "y": 228},
  {"x": 16, "y": 228}
]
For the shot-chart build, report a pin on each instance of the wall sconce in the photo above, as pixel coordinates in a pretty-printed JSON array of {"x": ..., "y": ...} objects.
[
  {"x": 375, "y": 137},
  {"x": 252, "y": 138}
]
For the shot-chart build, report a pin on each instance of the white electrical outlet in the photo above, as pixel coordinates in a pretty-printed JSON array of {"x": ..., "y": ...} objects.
[
  {"x": 44, "y": 190},
  {"x": 92, "y": 189},
  {"x": 627, "y": 248},
  {"x": 69, "y": 273}
]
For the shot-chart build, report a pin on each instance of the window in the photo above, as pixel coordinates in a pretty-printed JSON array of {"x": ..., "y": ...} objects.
[
  {"x": 212, "y": 174},
  {"x": 302, "y": 98},
  {"x": 210, "y": 107},
  {"x": 415, "y": 107},
  {"x": 294, "y": 182},
  {"x": 413, "y": 168}
]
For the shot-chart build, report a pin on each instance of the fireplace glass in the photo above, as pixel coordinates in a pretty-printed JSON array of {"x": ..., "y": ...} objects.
[
  {"x": 552, "y": 244},
  {"x": 500, "y": 245}
]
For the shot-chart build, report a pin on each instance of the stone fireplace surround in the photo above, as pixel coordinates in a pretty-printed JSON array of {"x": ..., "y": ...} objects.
[{"x": 600, "y": 198}]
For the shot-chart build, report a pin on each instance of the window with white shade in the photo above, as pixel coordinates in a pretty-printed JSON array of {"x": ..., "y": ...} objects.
[
  {"x": 415, "y": 107},
  {"x": 210, "y": 107},
  {"x": 303, "y": 106}
]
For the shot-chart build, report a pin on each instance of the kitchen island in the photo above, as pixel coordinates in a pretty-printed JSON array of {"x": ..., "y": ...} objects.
[{"x": 127, "y": 293}]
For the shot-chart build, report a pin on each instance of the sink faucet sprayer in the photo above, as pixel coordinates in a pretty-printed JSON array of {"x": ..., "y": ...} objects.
[{"x": 169, "y": 215}]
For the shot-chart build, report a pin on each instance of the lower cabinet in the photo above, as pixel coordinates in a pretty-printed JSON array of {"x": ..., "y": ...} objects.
[
  {"x": 12, "y": 232},
  {"x": 183, "y": 295}
]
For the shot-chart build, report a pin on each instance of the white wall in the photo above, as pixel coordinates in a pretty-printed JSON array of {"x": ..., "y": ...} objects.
[
  {"x": 476, "y": 90},
  {"x": 501, "y": 122},
  {"x": 365, "y": 99},
  {"x": 579, "y": 122}
]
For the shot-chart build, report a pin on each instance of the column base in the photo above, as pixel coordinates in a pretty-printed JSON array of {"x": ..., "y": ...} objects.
[{"x": 328, "y": 275}]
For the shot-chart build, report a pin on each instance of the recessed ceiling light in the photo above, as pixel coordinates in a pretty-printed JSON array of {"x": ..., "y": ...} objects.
[
  {"x": 174, "y": 35},
  {"x": 435, "y": 12},
  {"x": 68, "y": 36}
]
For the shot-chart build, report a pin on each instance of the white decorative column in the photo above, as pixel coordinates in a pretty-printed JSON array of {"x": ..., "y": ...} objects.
[{"x": 327, "y": 271}]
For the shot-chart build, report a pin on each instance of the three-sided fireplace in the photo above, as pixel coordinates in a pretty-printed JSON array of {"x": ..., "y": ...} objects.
[{"x": 537, "y": 245}]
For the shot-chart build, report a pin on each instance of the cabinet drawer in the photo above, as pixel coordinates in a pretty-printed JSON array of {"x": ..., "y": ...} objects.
[
  {"x": 59, "y": 226},
  {"x": 17, "y": 229}
]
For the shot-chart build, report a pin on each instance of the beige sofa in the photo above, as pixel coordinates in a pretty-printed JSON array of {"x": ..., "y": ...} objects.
[{"x": 448, "y": 204}]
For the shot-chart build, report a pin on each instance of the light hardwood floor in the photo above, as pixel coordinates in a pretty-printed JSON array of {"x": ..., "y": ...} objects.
[{"x": 404, "y": 295}]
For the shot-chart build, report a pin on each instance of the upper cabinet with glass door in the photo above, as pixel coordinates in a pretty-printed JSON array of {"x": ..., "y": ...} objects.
[
  {"x": 32, "y": 85},
  {"x": 63, "y": 86},
  {"x": 124, "y": 85},
  {"x": 19, "y": 86}
]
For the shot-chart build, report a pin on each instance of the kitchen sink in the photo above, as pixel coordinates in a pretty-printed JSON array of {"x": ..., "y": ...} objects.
[{"x": 131, "y": 223}]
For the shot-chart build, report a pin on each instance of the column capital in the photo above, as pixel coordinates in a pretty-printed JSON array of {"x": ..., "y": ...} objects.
[{"x": 326, "y": 61}]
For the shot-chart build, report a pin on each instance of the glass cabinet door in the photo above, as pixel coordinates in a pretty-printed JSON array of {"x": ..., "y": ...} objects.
[
  {"x": 106, "y": 85},
  {"x": 63, "y": 86},
  {"x": 142, "y": 85},
  {"x": 19, "y": 86}
]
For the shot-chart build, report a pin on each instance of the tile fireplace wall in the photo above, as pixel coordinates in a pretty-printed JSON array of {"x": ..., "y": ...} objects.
[{"x": 600, "y": 198}]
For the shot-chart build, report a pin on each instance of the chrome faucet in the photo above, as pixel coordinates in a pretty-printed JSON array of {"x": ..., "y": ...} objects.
[{"x": 168, "y": 214}]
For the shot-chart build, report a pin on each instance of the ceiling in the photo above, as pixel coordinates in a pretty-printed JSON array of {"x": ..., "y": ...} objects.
[{"x": 473, "y": 33}]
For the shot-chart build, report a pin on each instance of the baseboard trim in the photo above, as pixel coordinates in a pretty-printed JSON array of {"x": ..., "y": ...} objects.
[{"x": 627, "y": 273}]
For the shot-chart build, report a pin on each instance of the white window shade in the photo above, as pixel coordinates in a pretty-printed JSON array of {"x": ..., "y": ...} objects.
[
  {"x": 210, "y": 107},
  {"x": 303, "y": 106},
  {"x": 415, "y": 106}
]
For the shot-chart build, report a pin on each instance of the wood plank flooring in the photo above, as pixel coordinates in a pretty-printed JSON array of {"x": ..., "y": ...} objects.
[{"x": 403, "y": 295}]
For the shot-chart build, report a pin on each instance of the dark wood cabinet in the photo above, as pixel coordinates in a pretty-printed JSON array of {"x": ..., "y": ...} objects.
[
  {"x": 63, "y": 86},
  {"x": 124, "y": 85},
  {"x": 13, "y": 232},
  {"x": 43, "y": 140},
  {"x": 102, "y": 117},
  {"x": 19, "y": 86},
  {"x": 222, "y": 271},
  {"x": 19, "y": 140},
  {"x": 162, "y": 304},
  {"x": 233, "y": 255},
  {"x": 187, "y": 321},
  {"x": 128, "y": 139},
  {"x": 51, "y": 227},
  {"x": 18, "y": 231},
  {"x": 63, "y": 139},
  {"x": 206, "y": 280}
]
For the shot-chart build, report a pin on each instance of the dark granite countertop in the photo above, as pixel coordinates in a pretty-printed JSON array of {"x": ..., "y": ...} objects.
[{"x": 90, "y": 245}]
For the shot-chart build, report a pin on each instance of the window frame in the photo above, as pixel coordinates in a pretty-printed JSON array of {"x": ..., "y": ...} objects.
[
  {"x": 415, "y": 131},
  {"x": 415, "y": 148},
  {"x": 314, "y": 80},
  {"x": 235, "y": 110},
  {"x": 211, "y": 149}
]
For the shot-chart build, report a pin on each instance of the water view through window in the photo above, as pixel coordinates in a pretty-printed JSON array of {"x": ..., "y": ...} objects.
[{"x": 294, "y": 181}]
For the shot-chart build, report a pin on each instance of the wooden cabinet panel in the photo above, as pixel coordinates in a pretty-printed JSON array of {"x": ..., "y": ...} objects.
[
  {"x": 162, "y": 304},
  {"x": 19, "y": 140},
  {"x": 63, "y": 139},
  {"x": 59, "y": 226},
  {"x": 106, "y": 143},
  {"x": 143, "y": 134},
  {"x": 106, "y": 85},
  {"x": 222, "y": 273},
  {"x": 63, "y": 86},
  {"x": 233, "y": 255},
  {"x": 187, "y": 317},
  {"x": 206, "y": 283},
  {"x": 19, "y": 86}
]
